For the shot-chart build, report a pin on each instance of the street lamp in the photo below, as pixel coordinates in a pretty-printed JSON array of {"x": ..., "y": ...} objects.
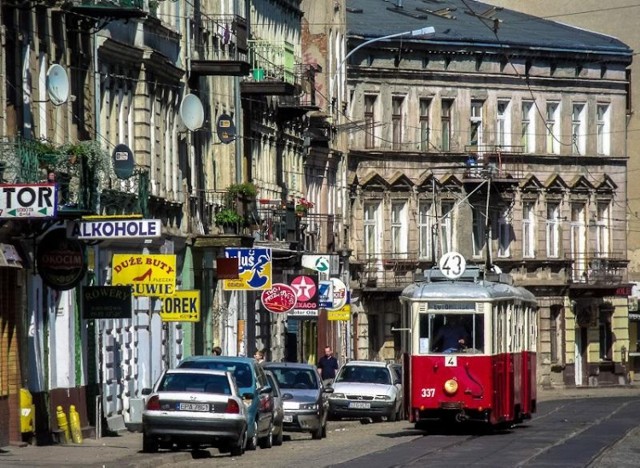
[{"x": 427, "y": 31}]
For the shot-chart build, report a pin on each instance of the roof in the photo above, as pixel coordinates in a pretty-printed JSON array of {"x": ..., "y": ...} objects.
[
  {"x": 471, "y": 23},
  {"x": 247, "y": 360},
  {"x": 366, "y": 363}
]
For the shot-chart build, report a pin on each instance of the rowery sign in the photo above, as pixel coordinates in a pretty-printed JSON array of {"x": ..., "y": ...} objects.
[
  {"x": 115, "y": 229},
  {"x": 28, "y": 201}
]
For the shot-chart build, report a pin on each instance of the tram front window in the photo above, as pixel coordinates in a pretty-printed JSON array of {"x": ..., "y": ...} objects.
[{"x": 451, "y": 333}]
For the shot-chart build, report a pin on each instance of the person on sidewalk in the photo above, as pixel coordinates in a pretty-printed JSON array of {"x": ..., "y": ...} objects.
[
  {"x": 216, "y": 351},
  {"x": 327, "y": 366}
]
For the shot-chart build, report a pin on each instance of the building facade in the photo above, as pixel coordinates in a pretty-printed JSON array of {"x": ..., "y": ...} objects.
[{"x": 502, "y": 152}]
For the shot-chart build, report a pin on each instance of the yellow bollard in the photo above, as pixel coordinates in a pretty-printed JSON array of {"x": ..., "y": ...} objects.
[
  {"x": 63, "y": 424},
  {"x": 76, "y": 430}
]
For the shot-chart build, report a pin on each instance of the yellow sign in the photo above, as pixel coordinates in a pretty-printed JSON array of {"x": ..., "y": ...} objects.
[
  {"x": 143, "y": 269},
  {"x": 343, "y": 314},
  {"x": 183, "y": 306},
  {"x": 153, "y": 290},
  {"x": 254, "y": 269}
]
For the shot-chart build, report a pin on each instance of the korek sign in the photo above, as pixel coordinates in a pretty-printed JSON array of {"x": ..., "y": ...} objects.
[{"x": 280, "y": 298}]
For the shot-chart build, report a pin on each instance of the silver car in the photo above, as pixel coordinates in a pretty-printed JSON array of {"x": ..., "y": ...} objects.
[
  {"x": 366, "y": 389},
  {"x": 194, "y": 407},
  {"x": 305, "y": 405},
  {"x": 278, "y": 409}
]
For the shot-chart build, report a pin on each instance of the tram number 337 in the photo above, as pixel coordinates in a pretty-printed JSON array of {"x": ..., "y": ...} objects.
[{"x": 428, "y": 392}]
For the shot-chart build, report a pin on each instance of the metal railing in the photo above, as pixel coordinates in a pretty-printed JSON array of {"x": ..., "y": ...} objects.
[{"x": 273, "y": 61}]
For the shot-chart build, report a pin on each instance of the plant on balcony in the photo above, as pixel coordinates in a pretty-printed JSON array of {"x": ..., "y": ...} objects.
[
  {"x": 246, "y": 190},
  {"x": 227, "y": 217},
  {"x": 303, "y": 206}
]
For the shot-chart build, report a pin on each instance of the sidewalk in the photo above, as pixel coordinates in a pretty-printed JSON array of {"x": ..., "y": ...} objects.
[{"x": 125, "y": 449}]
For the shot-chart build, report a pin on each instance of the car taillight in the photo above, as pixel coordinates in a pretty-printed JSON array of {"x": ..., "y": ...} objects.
[
  {"x": 232, "y": 407},
  {"x": 154, "y": 403}
]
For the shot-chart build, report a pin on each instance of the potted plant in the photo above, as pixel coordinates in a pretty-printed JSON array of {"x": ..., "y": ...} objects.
[
  {"x": 303, "y": 206},
  {"x": 228, "y": 218},
  {"x": 246, "y": 190}
]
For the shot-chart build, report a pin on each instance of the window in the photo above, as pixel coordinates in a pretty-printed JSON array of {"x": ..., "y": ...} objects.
[
  {"x": 399, "y": 229},
  {"x": 603, "y": 130},
  {"x": 555, "y": 333},
  {"x": 603, "y": 223},
  {"x": 425, "y": 229},
  {"x": 504, "y": 234},
  {"x": 369, "y": 121},
  {"x": 553, "y": 230},
  {"x": 445, "y": 124},
  {"x": 553, "y": 127},
  {"x": 425, "y": 143},
  {"x": 578, "y": 129},
  {"x": 446, "y": 227},
  {"x": 528, "y": 136},
  {"x": 396, "y": 121},
  {"x": 478, "y": 232},
  {"x": 578, "y": 240},
  {"x": 475, "y": 124},
  {"x": 371, "y": 229},
  {"x": 503, "y": 124},
  {"x": 528, "y": 230}
]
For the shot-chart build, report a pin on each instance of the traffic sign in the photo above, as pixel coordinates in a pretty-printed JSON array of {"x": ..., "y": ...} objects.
[{"x": 183, "y": 306}]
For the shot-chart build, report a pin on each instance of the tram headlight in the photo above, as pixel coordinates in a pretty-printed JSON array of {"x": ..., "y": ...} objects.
[{"x": 451, "y": 386}]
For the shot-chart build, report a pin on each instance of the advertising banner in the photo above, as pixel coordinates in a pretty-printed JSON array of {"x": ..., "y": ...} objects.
[
  {"x": 143, "y": 269},
  {"x": 254, "y": 269}
]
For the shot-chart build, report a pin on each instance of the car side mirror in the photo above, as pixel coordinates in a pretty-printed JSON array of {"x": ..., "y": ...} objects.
[
  {"x": 146, "y": 391},
  {"x": 265, "y": 389}
]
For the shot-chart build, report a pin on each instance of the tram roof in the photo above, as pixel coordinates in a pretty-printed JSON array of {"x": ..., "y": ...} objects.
[{"x": 464, "y": 290}]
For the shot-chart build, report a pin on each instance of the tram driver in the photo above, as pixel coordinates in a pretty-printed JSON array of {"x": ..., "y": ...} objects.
[{"x": 452, "y": 336}]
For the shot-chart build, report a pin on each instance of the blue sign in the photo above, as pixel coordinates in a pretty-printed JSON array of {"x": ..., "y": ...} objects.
[
  {"x": 325, "y": 294},
  {"x": 254, "y": 269}
]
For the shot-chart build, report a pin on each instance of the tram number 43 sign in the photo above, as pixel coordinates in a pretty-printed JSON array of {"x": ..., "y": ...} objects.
[{"x": 183, "y": 306}]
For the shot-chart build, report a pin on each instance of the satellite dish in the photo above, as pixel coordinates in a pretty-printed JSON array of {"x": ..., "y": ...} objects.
[
  {"x": 192, "y": 112},
  {"x": 57, "y": 84}
]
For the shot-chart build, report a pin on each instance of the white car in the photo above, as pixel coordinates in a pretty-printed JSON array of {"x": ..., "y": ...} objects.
[{"x": 366, "y": 389}]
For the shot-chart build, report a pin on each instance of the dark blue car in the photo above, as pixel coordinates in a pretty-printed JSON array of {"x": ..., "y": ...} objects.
[{"x": 254, "y": 388}]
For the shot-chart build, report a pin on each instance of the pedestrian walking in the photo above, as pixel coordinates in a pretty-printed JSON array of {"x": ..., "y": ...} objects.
[
  {"x": 216, "y": 351},
  {"x": 259, "y": 356},
  {"x": 327, "y": 366}
]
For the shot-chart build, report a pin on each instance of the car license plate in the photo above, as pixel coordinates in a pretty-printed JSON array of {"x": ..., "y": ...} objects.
[
  {"x": 288, "y": 418},
  {"x": 359, "y": 404},
  {"x": 193, "y": 406}
]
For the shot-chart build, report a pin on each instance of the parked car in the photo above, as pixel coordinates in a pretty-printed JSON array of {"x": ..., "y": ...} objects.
[
  {"x": 305, "y": 406},
  {"x": 194, "y": 407},
  {"x": 254, "y": 389},
  {"x": 278, "y": 409},
  {"x": 366, "y": 389}
]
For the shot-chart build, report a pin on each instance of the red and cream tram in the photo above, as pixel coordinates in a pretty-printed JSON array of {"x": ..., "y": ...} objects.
[{"x": 470, "y": 347}]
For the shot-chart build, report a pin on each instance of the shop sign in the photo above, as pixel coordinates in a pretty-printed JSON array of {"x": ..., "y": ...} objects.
[
  {"x": 254, "y": 269},
  {"x": 280, "y": 298},
  {"x": 143, "y": 269},
  {"x": 61, "y": 262},
  {"x": 325, "y": 295},
  {"x": 28, "y": 201},
  {"x": 343, "y": 314},
  {"x": 106, "y": 302},
  {"x": 339, "y": 294},
  {"x": 183, "y": 306},
  {"x": 328, "y": 264},
  {"x": 153, "y": 290},
  {"x": 115, "y": 229},
  {"x": 306, "y": 289}
]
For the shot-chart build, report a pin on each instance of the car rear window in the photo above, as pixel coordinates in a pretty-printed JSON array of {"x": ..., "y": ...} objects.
[
  {"x": 302, "y": 379},
  {"x": 195, "y": 383},
  {"x": 364, "y": 374}
]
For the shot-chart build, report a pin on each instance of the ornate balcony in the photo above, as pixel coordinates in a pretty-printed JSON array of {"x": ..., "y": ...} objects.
[
  {"x": 228, "y": 56},
  {"x": 117, "y": 9}
]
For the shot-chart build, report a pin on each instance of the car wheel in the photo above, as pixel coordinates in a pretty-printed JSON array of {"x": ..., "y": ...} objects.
[
  {"x": 267, "y": 442},
  {"x": 252, "y": 443},
  {"x": 149, "y": 444},
  {"x": 280, "y": 436},
  {"x": 317, "y": 434},
  {"x": 238, "y": 449}
]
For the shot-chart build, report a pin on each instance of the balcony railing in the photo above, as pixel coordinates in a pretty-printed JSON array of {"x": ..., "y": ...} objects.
[
  {"x": 273, "y": 61},
  {"x": 600, "y": 269},
  {"x": 393, "y": 270},
  {"x": 495, "y": 161}
]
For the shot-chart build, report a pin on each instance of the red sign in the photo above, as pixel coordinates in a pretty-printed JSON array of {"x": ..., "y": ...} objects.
[
  {"x": 306, "y": 289},
  {"x": 280, "y": 298}
]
